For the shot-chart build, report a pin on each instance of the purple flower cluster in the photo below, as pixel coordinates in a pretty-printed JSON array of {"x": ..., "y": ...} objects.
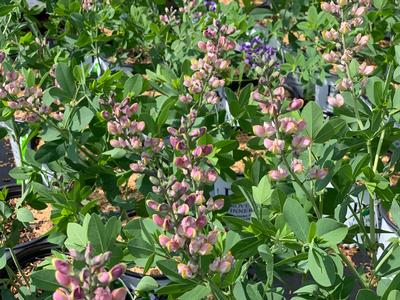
[
  {"x": 92, "y": 282},
  {"x": 257, "y": 52},
  {"x": 210, "y": 5}
]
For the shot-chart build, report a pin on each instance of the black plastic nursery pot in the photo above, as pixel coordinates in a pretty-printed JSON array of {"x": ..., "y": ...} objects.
[
  {"x": 384, "y": 214},
  {"x": 29, "y": 251},
  {"x": 131, "y": 280}
]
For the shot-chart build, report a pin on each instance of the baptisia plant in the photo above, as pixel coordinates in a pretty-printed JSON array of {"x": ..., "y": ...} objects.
[{"x": 180, "y": 204}]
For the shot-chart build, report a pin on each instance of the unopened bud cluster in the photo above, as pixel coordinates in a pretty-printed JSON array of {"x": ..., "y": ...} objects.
[{"x": 92, "y": 281}]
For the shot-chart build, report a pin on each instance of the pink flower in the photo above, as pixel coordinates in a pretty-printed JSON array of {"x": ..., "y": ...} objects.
[
  {"x": 202, "y": 46},
  {"x": 185, "y": 271},
  {"x": 278, "y": 174},
  {"x": 104, "y": 278},
  {"x": 212, "y": 237},
  {"x": 274, "y": 146},
  {"x": 336, "y": 101},
  {"x": 301, "y": 142},
  {"x": 158, "y": 220},
  {"x": 222, "y": 264},
  {"x": 196, "y": 174},
  {"x": 366, "y": 70},
  {"x": 61, "y": 294},
  {"x": 279, "y": 93},
  {"x": 359, "y": 11},
  {"x": 265, "y": 130},
  {"x": 330, "y": 35},
  {"x": 361, "y": 40},
  {"x": 63, "y": 279},
  {"x": 330, "y": 57},
  {"x": 259, "y": 130},
  {"x": 201, "y": 221},
  {"x": 296, "y": 104},
  {"x": 117, "y": 271},
  {"x": 119, "y": 294},
  {"x": 317, "y": 173},
  {"x": 185, "y": 98},
  {"x": 62, "y": 266},
  {"x": 102, "y": 294},
  {"x": 297, "y": 166},
  {"x": 345, "y": 27},
  {"x": 345, "y": 84},
  {"x": 211, "y": 176},
  {"x": 163, "y": 240}
]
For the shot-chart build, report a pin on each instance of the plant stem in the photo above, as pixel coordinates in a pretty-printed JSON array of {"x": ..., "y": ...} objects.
[
  {"x": 352, "y": 269},
  {"x": 21, "y": 154},
  {"x": 378, "y": 150},
  {"x": 14, "y": 258},
  {"x": 309, "y": 196},
  {"x": 372, "y": 233}
]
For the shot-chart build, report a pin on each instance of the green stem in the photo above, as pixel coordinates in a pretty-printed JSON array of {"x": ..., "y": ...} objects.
[
  {"x": 372, "y": 228},
  {"x": 378, "y": 150},
  {"x": 352, "y": 269},
  {"x": 21, "y": 154},
  {"x": 386, "y": 257},
  {"x": 309, "y": 196},
  {"x": 14, "y": 258}
]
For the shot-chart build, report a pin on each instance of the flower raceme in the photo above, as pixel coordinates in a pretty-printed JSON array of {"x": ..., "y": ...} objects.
[
  {"x": 92, "y": 281},
  {"x": 209, "y": 70}
]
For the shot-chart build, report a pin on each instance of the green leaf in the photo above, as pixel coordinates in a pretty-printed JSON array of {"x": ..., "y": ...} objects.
[
  {"x": 97, "y": 234},
  {"x": 396, "y": 74},
  {"x": 331, "y": 231},
  {"x": 394, "y": 295},
  {"x": 314, "y": 118},
  {"x": 395, "y": 212},
  {"x": 321, "y": 266},
  {"x": 199, "y": 292},
  {"x": 268, "y": 258},
  {"x": 50, "y": 151},
  {"x": 6, "y": 9},
  {"x": 147, "y": 284},
  {"x": 397, "y": 51},
  {"x": 25, "y": 215},
  {"x": 45, "y": 280},
  {"x": 77, "y": 237},
  {"x": 334, "y": 128},
  {"x": 246, "y": 247},
  {"x": 65, "y": 79},
  {"x": 262, "y": 193},
  {"x": 374, "y": 90},
  {"x": 296, "y": 218},
  {"x": 253, "y": 292},
  {"x": 3, "y": 257},
  {"x": 81, "y": 119},
  {"x": 140, "y": 248},
  {"x": 133, "y": 86},
  {"x": 163, "y": 114}
]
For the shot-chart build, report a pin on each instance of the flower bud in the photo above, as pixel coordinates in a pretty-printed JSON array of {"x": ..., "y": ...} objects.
[
  {"x": 104, "y": 278},
  {"x": 366, "y": 70},
  {"x": 61, "y": 294},
  {"x": 62, "y": 266},
  {"x": 119, "y": 294},
  {"x": 297, "y": 166},
  {"x": 296, "y": 104},
  {"x": 63, "y": 279},
  {"x": 117, "y": 271}
]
